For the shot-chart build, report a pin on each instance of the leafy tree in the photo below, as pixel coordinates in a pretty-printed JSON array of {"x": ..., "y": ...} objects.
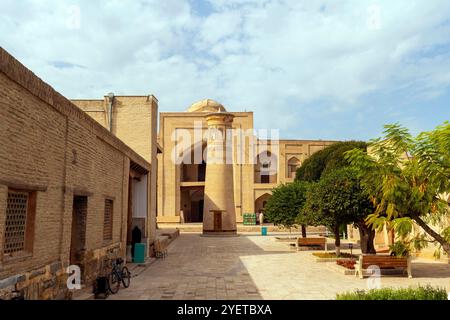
[
  {"x": 339, "y": 199},
  {"x": 406, "y": 178},
  {"x": 326, "y": 160},
  {"x": 284, "y": 205}
]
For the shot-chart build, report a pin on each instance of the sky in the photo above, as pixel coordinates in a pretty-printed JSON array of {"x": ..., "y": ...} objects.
[{"x": 331, "y": 70}]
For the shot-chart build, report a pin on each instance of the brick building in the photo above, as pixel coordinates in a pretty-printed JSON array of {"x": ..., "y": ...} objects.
[
  {"x": 133, "y": 119},
  {"x": 69, "y": 188}
]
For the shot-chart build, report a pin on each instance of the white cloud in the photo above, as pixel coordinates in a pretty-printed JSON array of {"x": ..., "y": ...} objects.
[{"x": 272, "y": 57}]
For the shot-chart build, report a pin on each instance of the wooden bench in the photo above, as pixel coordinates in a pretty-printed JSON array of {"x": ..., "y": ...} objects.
[
  {"x": 307, "y": 242},
  {"x": 383, "y": 262}
]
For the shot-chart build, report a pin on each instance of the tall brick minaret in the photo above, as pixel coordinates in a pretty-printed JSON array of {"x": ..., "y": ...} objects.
[{"x": 219, "y": 208}]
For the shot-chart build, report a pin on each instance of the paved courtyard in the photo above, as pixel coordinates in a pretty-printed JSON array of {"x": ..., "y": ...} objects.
[{"x": 254, "y": 267}]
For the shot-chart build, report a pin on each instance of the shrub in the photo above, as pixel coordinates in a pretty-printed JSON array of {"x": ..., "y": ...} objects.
[
  {"x": 349, "y": 264},
  {"x": 284, "y": 205},
  {"x": 412, "y": 293}
]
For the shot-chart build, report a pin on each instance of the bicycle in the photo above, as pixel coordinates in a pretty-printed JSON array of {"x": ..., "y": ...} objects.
[{"x": 118, "y": 275}]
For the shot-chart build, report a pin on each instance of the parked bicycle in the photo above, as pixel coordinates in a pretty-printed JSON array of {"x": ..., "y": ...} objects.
[{"x": 119, "y": 274}]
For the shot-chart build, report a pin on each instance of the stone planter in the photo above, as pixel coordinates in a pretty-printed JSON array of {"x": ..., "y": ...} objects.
[{"x": 331, "y": 259}]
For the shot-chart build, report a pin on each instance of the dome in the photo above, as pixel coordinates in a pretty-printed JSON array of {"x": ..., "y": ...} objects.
[{"x": 206, "y": 105}]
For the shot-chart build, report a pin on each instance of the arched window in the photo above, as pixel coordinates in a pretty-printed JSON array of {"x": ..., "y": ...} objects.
[
  {"x": 266, "y": 168},
  {"x": 292, "y": 166}
]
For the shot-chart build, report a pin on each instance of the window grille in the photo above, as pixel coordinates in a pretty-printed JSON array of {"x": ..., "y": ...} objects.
[
  {"x": 16, "y": 222},
  {"x": 108, "y": 220}
]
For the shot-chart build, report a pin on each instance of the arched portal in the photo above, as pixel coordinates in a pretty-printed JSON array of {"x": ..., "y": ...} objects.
[
  {"x": 261, "y": 202},
  {"x": 192, "y": 200},
  {"x": 192, "y": 183}
]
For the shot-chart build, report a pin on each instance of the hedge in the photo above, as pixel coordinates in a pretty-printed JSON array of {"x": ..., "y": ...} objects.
[{"x": 411, "y": 293}]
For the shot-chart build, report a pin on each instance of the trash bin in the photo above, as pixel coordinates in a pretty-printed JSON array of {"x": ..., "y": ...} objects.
[
  {"x": 139, "y": 253},
  {"x": 264, "y": 231},
  {"x": 101, "y": 288}
]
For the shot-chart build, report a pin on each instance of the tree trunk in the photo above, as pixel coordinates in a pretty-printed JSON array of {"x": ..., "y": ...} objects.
[
  {"x": 337, "y": 240},
  {"x": 366, "y": 236},
  {"x": 303, "y": 231},
  {"x": 436, "y": 236}
]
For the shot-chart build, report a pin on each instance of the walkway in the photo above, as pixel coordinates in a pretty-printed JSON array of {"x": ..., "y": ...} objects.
[{"x": 254, "y": 267}]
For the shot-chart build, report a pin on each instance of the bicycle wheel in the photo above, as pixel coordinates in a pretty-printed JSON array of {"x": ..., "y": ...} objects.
[
  {"x": 126, "y": 277},
  {"x": 114, "y": 282}
]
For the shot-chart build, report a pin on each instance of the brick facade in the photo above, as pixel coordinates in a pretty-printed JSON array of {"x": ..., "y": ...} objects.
[
  {"x": 51, "y": 147},
  {"x": 134, "y": 121}
]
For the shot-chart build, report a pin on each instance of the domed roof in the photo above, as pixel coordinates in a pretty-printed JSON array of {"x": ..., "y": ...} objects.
[{"x": 206, "y": 105}]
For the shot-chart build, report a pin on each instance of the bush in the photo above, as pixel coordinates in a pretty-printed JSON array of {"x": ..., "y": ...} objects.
[
  {"x": 411, "y": 293},
  {"x": 283, "y": 207}
]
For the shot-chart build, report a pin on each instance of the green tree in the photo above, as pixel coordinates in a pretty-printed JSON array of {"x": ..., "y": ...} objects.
[
  {"x": 339, "y": 199},
  {"x": 406, "y": 177},
  {"x": 330, "y": 158},
  {"x": 284, "y": 205}
]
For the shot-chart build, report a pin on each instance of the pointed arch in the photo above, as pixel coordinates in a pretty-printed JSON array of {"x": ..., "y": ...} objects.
[
  {"x": 261, "y": 202},
  {"x": 266, "y": 168},
  {"x": 292, "y": 165}
]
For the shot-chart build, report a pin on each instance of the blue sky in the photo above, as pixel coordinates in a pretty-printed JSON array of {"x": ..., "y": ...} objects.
[{"x": 314, "y": 69}]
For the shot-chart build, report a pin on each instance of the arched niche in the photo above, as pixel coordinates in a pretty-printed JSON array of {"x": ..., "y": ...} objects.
[
  {"x": 292, "y": 165},
  {"x": 266, "y": 168}
]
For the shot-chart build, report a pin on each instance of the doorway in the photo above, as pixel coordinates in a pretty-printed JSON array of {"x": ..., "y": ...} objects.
[
  {"x": 217, "y": 221},
  {"x": 78, "y": 235},
  {"x": 191, "y": 204}
]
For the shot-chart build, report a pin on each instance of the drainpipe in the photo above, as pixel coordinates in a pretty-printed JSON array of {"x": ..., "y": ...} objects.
[{"x": 110, "y": 109}]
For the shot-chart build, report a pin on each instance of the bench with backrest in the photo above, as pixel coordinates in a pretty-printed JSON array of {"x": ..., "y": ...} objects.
[
  {"x": 311, "y": 242},
  {"x": 383, "y": 262}
]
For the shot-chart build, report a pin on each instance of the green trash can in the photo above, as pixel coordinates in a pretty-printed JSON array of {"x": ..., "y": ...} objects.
[
  {"x": 264, "y": 231},
  {"x": 139, "y": 253}
]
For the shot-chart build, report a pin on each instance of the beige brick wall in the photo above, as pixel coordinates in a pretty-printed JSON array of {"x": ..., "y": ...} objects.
[
  {"x": 51, "y": 146},
  {"x": 134, "y": 121},
  {"x": 33, "y": 150}
]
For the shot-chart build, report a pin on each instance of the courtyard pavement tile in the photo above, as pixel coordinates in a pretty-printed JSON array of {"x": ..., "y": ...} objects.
[{"x": 255, "y": 267}]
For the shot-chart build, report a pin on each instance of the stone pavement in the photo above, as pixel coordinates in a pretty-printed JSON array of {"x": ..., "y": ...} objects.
[{"x": 255, "y": 267}]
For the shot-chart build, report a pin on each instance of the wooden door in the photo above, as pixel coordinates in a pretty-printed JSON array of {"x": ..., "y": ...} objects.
[{"x": 217, "y": 221}]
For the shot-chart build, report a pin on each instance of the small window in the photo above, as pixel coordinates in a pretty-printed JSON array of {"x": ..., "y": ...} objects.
[
  {"x": 19, "y": 223},
  {"x": 108, "y": 220}
]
